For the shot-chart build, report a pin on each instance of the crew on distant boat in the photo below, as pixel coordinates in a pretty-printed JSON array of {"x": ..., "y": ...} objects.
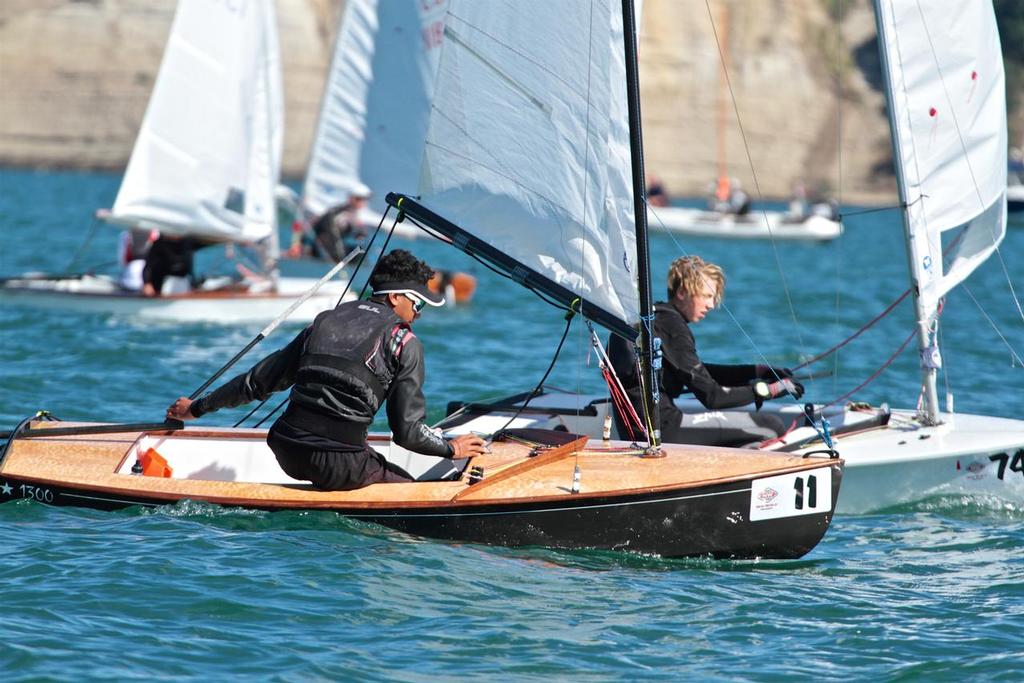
[
  {"x": 801, "y": 206},
  {"x": 169, "y": 266},
  {"x": 133, "y": 246},
  {"x": 728, "y": 196},
  {"x": 694, "y": 288},
  {"x": 341, "y": 369},
  {"x": 335, "y": 232},
  {"x": 656, "y": 195}
]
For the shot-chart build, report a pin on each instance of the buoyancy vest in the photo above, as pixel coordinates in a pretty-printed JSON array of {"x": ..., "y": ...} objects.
[{"x": 346, "y": 369}]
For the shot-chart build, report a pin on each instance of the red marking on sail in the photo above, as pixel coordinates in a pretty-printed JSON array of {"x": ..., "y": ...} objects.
[{"x": 932, "y": 112}]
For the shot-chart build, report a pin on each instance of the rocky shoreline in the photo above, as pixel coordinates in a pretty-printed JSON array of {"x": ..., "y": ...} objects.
[{"x": 75, "y": 78}]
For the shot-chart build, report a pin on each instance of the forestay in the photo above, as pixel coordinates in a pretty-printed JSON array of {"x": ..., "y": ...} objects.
[
  {"x": 945, "y": 74},
  {"x": 528, "y": 144},
  {"x": 383, "y": 69},
  {"x": 208, "y": 154}
]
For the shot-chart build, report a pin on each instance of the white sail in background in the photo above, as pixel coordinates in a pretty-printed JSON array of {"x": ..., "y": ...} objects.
[
  {"x": 945, "y": 75},
  {"x": 528, "y": 146},
  {"x": 376, "y": 104},
  {"x": 208, "y": 154}
]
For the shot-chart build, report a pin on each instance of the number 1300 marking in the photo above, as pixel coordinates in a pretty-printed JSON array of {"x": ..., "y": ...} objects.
[{"x": 1016, "y": 464}]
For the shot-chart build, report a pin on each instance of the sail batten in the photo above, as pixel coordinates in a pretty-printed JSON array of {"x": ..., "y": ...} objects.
[
  {"x": 208, "y": 153},
  {"x": 528, "y": 144}
]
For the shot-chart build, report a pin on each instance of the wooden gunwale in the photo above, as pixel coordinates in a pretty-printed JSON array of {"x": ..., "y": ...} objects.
[{"x": 93, "y": 462}]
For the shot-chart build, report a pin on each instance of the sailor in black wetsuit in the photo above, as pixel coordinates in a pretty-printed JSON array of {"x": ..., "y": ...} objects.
[
  {"x": 168, "y": 255},
  {"x": 694, "y": 288},
  {"x": 341, "y": 369}
]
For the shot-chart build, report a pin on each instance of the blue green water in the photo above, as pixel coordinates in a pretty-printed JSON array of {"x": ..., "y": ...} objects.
[{"x": 930, "y": 591}]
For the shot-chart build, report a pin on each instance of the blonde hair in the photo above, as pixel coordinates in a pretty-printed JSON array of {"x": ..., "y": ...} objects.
[{"x": 692, "y": 274}]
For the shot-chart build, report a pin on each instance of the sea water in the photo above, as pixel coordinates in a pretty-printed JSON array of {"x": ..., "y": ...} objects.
[{"x": 933, "y": 590}]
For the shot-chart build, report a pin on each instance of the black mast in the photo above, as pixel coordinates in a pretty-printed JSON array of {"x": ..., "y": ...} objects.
[{"x": 636, "y": 145}]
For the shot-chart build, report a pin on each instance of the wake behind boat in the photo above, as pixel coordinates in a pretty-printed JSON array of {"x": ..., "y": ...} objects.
[{"x": 536, "y": 488}]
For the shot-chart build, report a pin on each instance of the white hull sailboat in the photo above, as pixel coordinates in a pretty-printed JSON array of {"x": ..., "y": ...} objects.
[
  {"x": 804, "y": 224},
  {"x": 948, "y": 118},
  {"x": 774, "y": 225},
  {"x": 204, "y": 166},
  {"x": 224, "y": 301}
]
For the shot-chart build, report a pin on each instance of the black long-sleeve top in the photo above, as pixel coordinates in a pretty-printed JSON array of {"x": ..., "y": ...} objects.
[
  {"x": 715, "y": 386},
  {"x": 406, "y": 405}
]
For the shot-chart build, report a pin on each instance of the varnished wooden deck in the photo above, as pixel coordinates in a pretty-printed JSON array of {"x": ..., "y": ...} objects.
[{"x": 90, "y": 463}]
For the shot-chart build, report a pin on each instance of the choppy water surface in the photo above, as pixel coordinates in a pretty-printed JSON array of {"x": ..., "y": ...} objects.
[{"x": 929, "y": 591}]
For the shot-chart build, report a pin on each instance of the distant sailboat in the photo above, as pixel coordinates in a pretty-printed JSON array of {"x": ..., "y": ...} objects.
[
  {"x": 947, "y": 112},
  {"x": 375, "y": 107},
  {"x": 204, "y": 167},
  {"x": 374, "y": 114},
  {"x": 731, "y": 215}
]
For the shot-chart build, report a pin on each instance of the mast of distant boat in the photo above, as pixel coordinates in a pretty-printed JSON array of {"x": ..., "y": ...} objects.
[{"x": 646, "y": 342}]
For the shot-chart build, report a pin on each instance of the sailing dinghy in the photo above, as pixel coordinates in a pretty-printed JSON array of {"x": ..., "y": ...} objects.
[
  {"x": 948, "y": 120},
  {"x": 805, "y": 225},
  {"x": 204, "y": 166},
  {"x": 535, "y": 487}
]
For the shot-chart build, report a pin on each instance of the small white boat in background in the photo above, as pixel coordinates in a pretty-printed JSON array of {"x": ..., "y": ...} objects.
[
  {"x": 756, "y": 224},
  {"x": 204, "y": 166}
]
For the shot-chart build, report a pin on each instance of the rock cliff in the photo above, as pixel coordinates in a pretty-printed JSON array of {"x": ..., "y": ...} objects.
[{"x": 75, "y": 77}]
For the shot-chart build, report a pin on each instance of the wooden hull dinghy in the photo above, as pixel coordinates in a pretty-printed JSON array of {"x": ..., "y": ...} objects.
[{"x": 692, "y": 502}]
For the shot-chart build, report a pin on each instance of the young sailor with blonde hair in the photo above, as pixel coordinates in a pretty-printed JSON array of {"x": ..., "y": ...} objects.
[{"x": 695, "y": 287}]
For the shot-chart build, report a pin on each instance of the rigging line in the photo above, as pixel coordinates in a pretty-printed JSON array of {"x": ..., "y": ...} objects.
[
  {"x": 856, "y": 334},
  {"x": 540, "y": 385},
  {"x": 941, "y": 342},
  {"x": 894, "y": 207},
  {"x": 757, "y": 183},
  {"x": 366, "y": 254},
  {"x": 877, "y": 372},
  {"x": 967, "y": 159},
  {"x": 991, "y": 322},
  {"x": 85, "y": 243}
]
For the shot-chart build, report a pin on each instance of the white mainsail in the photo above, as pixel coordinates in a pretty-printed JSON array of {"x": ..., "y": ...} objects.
[
  {"x": 944, "y": 69},
  {"x": 376, "y": 103},
  {"x": 208, "y": 154},
  {"x": 528, "y": 145}
]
